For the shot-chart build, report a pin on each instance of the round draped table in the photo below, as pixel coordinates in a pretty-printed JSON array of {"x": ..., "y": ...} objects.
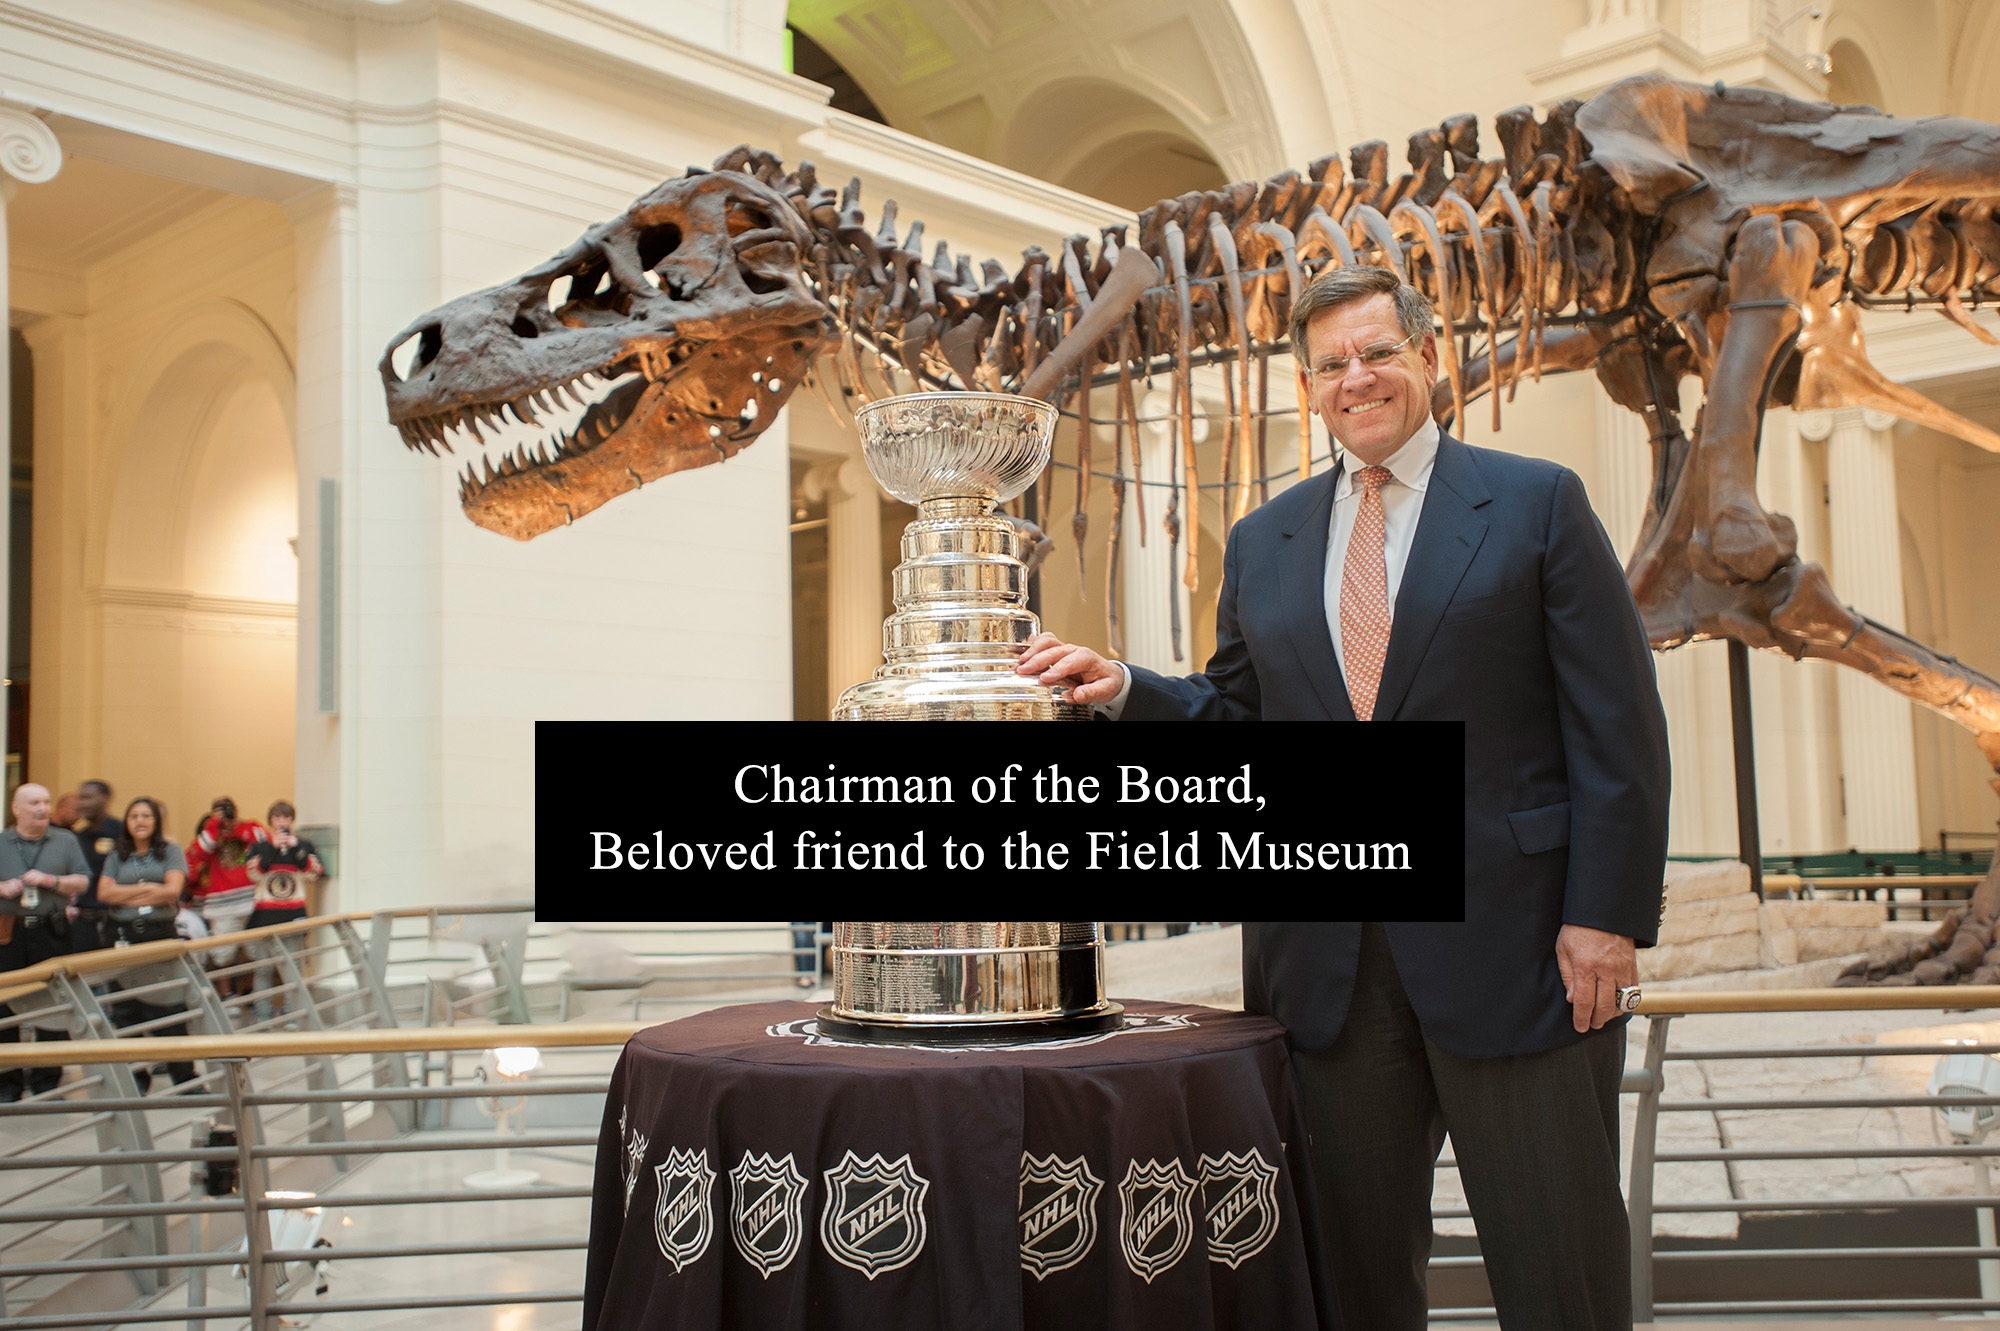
[{"x": 753, "y": 1175}]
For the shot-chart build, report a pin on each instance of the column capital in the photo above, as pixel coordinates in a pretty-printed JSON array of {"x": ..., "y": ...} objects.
[
  {"x": 1814, "y": 425},
  {"x": 44, "y": 331},
  {"x": 838, "y": 478},
  {"x": 1877, "y": 420},
  {"x": 29, "y": 152}
]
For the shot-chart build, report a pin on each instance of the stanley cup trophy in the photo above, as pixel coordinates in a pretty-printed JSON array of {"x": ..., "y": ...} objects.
[
  {"x": 911, "y": 982},
  {"x": 949, "y": 651},
  {"x": 961, "y": 591}
]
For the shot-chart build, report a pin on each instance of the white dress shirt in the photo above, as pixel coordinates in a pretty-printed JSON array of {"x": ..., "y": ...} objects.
[{"x": 1402, "y": 505}]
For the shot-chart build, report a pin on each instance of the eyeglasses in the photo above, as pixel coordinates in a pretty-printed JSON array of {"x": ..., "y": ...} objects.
[{"x": 1333, "y": 367}]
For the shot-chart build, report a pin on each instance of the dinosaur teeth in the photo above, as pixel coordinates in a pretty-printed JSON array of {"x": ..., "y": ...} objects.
[
  {"x": 523, "y": 412},
  {"x": 487, "y": 464}
]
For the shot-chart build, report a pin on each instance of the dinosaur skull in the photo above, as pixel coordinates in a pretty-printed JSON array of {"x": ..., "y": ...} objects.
[{"x": 665, "y": 339}]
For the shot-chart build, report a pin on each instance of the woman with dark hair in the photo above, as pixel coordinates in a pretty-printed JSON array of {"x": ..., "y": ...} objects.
[{"x": 141, "y": 885}]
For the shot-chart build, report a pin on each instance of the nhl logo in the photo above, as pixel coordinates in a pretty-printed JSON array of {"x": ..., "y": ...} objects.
[
  {"x": 874, "y": 1217},
  {"x": 1239, "y": 1199},
  {"x": 1156, "y": 1221},
  {"x": 766, "y": 1211},
  {"x": 681, "y": 1222},
  {"x": 634, "y": 1157},
  {"x": 1058, "y": 1213}
]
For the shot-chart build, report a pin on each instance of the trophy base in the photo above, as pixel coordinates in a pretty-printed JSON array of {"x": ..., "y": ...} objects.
[
  {"x": 963, "y": 695},
  {"x": 1108, "y": 1018}
]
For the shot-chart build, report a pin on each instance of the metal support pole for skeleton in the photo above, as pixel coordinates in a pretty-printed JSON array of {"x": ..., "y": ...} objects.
[{"x": 1749, "y": 842}]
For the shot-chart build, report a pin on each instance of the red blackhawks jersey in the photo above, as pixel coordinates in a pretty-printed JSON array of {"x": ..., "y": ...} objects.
[{"x": 219, "y": 865}]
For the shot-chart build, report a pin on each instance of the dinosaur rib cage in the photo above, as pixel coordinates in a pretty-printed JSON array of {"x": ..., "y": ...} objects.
[{"x": 1494, "y": 261}]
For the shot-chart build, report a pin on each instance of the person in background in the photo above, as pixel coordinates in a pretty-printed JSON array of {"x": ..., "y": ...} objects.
[
  {"x": 97, "y": 832},
  {"x": 141, "y": 890},
  {"x": 218, "y": 864},
  {"x": 282, "y": 869},
  {"x": 42, "y": 870}
]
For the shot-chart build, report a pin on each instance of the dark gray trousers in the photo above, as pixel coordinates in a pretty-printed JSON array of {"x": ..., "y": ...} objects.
[{"x": 1536, "y": 1139}]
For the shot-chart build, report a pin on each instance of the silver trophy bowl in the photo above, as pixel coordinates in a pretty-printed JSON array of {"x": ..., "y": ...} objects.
[
  {"x": 920, "y": 982},
  {"x": 961, "y": 592}
]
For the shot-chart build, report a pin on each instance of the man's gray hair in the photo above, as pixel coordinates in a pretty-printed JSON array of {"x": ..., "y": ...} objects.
[{"x": 1348, "y": 286}]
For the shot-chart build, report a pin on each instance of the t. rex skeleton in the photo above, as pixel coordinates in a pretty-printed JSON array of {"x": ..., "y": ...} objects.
[{"x": 1658, "y": 231}]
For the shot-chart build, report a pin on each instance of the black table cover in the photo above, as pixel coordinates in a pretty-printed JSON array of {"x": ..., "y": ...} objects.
[{"x": 754, "y": 1176}]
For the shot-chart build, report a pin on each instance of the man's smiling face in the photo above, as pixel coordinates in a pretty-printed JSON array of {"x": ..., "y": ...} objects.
[{"x": 1371, "y": 409}]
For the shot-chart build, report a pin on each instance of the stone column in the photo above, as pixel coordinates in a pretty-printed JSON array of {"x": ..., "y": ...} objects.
[
  {"x": 29, "y": 155},
  {"x": 854, "y": 606},
  {"x": 1152, "y": 579},
  {"x": 60, "y": 715},
  {"x": 1877, "y": 741}
]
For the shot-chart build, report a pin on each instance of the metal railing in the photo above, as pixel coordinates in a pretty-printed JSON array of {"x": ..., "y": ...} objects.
[
  {"x": 1907, "y": 896},
  {"x": 108, "y": 1219},
  {"x": 132, "y": 1245},
  {"x": 1648, "y": 1084},
  {"x": 706, "y": 961}
]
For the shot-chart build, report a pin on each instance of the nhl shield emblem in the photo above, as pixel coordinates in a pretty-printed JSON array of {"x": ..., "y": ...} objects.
[
  {"x": 1156, "y": 1216},
  {"x": 1058, "y": 1213},
  {"x": 874, "y": 1217},
  {"x": 1239, "y": 1203},
  {"x": 766, "y": 1211},
  {"x": 682, "y": 1221},
  {"x": 634, "y": 1157}
]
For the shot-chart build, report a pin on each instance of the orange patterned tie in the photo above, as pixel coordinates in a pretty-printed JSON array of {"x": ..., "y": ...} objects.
[{"x": 1364, "y": 596}]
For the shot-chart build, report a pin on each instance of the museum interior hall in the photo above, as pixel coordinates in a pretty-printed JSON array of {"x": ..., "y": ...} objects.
[
  {"x": 227, "y": 575},
  {"x": 253, "y": 551}
]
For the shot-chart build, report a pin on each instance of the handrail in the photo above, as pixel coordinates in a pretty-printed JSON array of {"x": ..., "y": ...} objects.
[
  {"x": 1900, "y": 998},
  {"x": 30, "y": 978},
  {"x": 1792, "y": 881},
  {"x": 419, "y": 1039},
  {"x": 278, "y": 1044}
]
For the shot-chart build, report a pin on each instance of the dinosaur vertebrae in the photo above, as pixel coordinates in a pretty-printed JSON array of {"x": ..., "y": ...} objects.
[{"x": 1495, "y": 244}]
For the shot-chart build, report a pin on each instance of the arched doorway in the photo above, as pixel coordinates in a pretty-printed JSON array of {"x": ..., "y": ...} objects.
[{"x": 195, "y": 623}]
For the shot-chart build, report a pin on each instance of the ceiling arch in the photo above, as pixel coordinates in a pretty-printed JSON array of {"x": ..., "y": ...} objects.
[{"x": 1041, "y": 87}]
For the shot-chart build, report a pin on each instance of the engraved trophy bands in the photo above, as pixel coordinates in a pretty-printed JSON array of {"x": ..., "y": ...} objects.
[
  {"x": 962, "y": 589},
  {"x": 912, "y": 982}
]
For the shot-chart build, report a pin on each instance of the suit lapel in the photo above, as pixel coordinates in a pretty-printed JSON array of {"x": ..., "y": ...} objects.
[
  {"x": 1302, "y": 584},
  {"x": 1448, "y": 535}
]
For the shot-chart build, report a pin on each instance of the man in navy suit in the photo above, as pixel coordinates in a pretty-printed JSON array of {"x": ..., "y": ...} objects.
[{"x": 1429, "y": 580}]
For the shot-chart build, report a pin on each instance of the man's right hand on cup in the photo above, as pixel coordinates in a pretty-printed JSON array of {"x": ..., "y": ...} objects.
[{"x": 1091, "y": 678}]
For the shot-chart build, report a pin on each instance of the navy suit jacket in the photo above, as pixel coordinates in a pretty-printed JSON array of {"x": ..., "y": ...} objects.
[{"x": 1513, "y": 616}]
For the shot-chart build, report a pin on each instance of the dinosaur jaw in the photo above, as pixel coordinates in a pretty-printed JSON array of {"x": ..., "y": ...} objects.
[{"x": 549, "y": 455}]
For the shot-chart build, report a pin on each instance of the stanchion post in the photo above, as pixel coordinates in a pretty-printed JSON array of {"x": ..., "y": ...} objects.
[
  {"x": 1989, "y": 1268},
  {"x": 256, "y": 1237},
  {"x": 1639, "y": 1193}
]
